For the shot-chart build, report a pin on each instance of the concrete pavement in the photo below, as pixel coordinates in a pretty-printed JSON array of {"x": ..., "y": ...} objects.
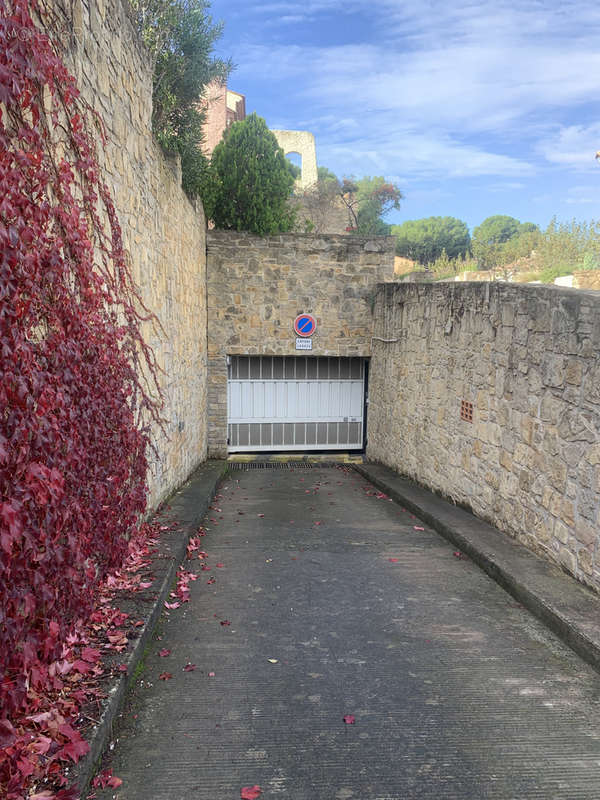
[{"x": 324, "y": 600}]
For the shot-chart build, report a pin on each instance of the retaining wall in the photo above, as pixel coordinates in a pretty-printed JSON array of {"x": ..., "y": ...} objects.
[{"x": 528, "y": 360}]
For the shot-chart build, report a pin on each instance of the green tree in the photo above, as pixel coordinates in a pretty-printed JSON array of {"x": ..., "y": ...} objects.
[
  {"x": 424, "y": 240},
  {"x": 325, "y": 175},
  {"x": 250, "y": 183},
  {"x": 369, "y": 200},
  {"x": 496, "y": 229},
  {"x": 567, "y": 246},
  {"x": 490, "y": 239},
  {"x": 180, "y": 36}
]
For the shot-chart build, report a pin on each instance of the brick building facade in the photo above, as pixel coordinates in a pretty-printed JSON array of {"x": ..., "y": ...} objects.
[{"x": 223, "y": 107}]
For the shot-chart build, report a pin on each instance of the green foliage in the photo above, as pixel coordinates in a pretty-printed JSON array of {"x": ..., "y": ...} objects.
[
  {"x": 569, "y": 246},
  {"x": 445, "y": 267},
  {"x": 250, "y": 183},
  {"x": 424, "y": 240},
  {"x": 295, "y": 170},
  {"x": 496, "y": 230},
  {"x": 548, "y": 274},
  {"x": 368, "y": 201},
  {"x": 180, "y": 36},
  {"x": 316, "y": 203},
  {"x": 521, "y": 245},
  {"x": 501, "y": 239},
  {"x": 327, "y": 176}
]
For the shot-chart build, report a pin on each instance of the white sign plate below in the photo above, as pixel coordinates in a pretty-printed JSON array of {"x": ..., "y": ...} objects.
[{"x": 303, "y": 344}]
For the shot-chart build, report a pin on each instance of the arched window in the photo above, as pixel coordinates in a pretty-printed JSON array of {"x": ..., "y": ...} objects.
[{"x": 295, "y": 160}]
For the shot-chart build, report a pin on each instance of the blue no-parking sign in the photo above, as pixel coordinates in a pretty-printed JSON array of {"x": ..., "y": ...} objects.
[{"x": 305, "y": 325}]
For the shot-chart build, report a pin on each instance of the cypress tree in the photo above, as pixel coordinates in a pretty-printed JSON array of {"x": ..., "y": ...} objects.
[{"x": 250, "y": 181}]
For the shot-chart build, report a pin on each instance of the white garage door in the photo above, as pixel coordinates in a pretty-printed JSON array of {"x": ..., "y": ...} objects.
[{"x": 295, "y": 403}]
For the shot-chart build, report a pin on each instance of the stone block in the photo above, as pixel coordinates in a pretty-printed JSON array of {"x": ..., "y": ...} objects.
[
  {"x": 585, "y": 561},
  {"x": 568, "y": 559}
]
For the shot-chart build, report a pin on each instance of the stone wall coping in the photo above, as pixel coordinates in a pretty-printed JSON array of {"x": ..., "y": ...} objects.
[
  {"x": 219, "y": 237},
  {"x": 495, "y": 287}
]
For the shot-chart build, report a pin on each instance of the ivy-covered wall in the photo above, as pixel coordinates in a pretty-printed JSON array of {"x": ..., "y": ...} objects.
[{"x": 163, "y": 232}]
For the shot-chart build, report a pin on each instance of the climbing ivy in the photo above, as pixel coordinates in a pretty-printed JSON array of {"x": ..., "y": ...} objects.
[{"x": 74, "y": 412}]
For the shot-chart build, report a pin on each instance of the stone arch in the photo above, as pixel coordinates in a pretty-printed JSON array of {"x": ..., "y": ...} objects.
[{"x": 303, "y": 143}]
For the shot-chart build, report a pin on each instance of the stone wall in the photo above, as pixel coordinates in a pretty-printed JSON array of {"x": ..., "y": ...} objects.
[
  {"x": 528, "y": 359},
  {"x": 303, "y": 143},
  {"x": 164, "y": 233},
  {"x": 258, "y": 286},
  {"x": 587, "y": 279}
]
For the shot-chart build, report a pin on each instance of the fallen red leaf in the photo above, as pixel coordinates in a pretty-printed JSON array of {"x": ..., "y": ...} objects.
[
  {"x": 250, "y": 792},
  {"x": 260, "y": 515},
  {"x": 165, "y": 676},
  {"x": 219, "y": 564},
  {"x": 164, "y": 652},
  {"x": 457, "y": 554},
  {"x": 418, "y": 528},
  {"x": 225, "y": 622},
  {"x": 189, "y": 668},
  {"x": 106, "y": 778},
  {"x": 393, "y": 560},
  {"x": 349, "y": 719}
]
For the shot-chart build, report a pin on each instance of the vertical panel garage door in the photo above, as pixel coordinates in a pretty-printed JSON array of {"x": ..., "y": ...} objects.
[{"x": 295, "y": 403}]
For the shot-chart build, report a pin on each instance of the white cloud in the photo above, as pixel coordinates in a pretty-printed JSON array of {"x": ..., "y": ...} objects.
[
  {"x": 449, "y": 89},
  {"x": 584, "y": 195},
  {"x": 411, "y": 153},
  {"x": 574, "y": 146}
]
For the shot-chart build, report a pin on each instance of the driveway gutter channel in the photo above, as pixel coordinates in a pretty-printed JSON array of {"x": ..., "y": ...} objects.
[
  {"x": 566, "y": 607},
  {"x": 187, "y": 507}
]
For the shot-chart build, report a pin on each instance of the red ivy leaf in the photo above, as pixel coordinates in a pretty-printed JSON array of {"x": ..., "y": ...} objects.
[
  {"x": 165, "y": 676},
  {"x": 164, "y": 652},
  {"x": 349, "y": 719},
  {"x": 189, "y": 668}
]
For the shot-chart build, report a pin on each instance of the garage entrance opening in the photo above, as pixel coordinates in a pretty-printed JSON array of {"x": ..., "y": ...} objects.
[{"x": 295, "y": 403}]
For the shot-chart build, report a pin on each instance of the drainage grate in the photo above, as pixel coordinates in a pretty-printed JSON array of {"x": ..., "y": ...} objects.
[{"x": 243, "y": 465}]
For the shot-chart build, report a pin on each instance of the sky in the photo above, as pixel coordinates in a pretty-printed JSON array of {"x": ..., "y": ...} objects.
[{"x": 472, "y": 107}]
